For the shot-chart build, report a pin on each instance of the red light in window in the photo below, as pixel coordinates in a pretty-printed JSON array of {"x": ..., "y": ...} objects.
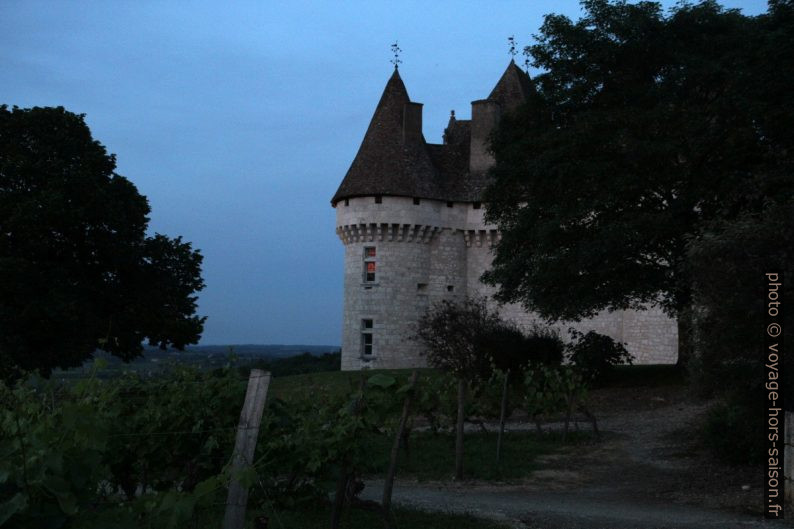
[
  {"x": 371, "y": 267},
  {"x": 370, "y": 252}
]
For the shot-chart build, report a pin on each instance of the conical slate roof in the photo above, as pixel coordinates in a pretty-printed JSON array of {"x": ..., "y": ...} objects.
[
  {"x": 390, "y": 162},
  {"x": 387, "y": 163},
  {"x": 513, "y": 88}
]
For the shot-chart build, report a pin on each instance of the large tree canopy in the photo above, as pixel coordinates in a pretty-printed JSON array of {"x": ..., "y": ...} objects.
[
  {"x": 77, "y": 271},
  {"x": 644, "y": 129}
]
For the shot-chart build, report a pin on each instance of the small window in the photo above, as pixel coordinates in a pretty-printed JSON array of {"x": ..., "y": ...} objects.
[
  {"x": 370, "y": 264},
  {"x": 367, "y": 328},
  {"x": 416, "y": 201},
  {"x": 347, "y": 202},
  {"x": 378, "y": 199},
  {"x": 450, "y": 204},
  {"x": 450, "y": 288},
  {"x": 421, "y": 287},
  {"x": 476, "y": 205}
]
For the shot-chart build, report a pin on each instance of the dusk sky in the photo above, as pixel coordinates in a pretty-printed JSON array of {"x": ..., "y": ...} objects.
[{"x": 238, "y": 120}]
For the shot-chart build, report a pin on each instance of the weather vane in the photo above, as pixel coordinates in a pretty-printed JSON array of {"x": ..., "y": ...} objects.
[
  {"x": 395, "y": 49},
  {"x": 511, "y": 41}
]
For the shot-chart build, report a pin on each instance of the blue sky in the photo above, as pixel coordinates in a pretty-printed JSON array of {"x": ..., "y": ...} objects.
[{"x": 238, "y": 121}]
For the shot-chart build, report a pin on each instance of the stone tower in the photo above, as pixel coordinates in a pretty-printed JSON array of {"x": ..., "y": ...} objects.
[{"x": 410, "y": 218}]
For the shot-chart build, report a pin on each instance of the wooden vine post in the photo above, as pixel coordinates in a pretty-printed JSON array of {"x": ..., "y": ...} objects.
[
  {"x": 502, "y": 416},
  {"x": 388, "y": 484},
  {"x": 244, "y": 447}
]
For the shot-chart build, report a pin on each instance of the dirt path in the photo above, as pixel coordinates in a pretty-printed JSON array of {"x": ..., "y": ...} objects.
[{"x": 648, "y": 472}]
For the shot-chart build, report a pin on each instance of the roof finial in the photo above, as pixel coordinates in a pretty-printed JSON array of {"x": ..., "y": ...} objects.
[
  {"x": 511, "y": 42},
  {"x": 395, "y": 49}
]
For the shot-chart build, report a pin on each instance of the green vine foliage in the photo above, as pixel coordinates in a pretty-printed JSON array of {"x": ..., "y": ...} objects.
[
  {"x": 154, "y": 452},
  {"x": 68, "y": 452},
  {"x": 178, "y": 430},
  {"x": 305, "y": 445},
  {"x": 553, "y": 391}
]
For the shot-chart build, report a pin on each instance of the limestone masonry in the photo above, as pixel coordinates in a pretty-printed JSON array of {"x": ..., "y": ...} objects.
[{"x": 409, "y": 216}]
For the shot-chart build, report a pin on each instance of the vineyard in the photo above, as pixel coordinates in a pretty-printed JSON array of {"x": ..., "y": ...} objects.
[{"x": 155, "y": 452}]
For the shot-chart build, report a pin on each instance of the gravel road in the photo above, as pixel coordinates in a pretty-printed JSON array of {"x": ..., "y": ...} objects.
[{"x": 648, "y": 472}]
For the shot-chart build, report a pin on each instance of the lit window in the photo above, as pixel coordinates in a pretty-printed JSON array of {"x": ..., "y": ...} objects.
[
  {"x": 369, "y": 264},
  {"x": 366, "y": 337}
]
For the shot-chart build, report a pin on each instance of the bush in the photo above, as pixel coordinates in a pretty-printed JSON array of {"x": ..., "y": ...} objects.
[
  {"x": 731, "y": 432},
  {"x": 545, "y": 346},
  {"x": 594, "y": 355}
]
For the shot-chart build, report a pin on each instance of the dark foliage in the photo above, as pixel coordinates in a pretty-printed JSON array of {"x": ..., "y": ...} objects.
[
  {"x": 77, "y": 271},
  {"x": 732, "y": 431},
  {"x": 298, "y": 364},
  {"x": 644, "y": 130},
  {"x": 545, "y": 346},
  {"x": 593, "y": 355},
  {"x": 728, "y": 266},
  {"x": 456, "y": 335},
  {"x": 511, "y": 349}
]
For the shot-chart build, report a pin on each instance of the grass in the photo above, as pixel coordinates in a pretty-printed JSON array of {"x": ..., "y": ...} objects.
[
  {"x": 332, "y": 383},
  {"x": 320, "y": 516},
  {"x": 431, "y": 457},
  {"x": 344, "y": 382},
  {"x": 650, "y": 375}
]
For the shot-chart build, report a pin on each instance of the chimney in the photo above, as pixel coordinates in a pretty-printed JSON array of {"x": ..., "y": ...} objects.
[
  {"x": 412, "y": 122},
  {"x": 484, "y": 117}
]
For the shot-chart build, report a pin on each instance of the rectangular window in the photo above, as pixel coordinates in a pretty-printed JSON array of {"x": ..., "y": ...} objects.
[
  {"x": 366, "y": 337},
  {"x": 370, "y": 264},
  {"x": 476, "y": 205},
  {"x": 450, "y": 204},
  {"x": 347, "y": 202},
  {"x": 378, "y": 199},
  {"x": 416, "y": 201}
]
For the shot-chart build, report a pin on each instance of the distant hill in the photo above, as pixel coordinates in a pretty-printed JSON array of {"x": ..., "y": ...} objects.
[
  {"x": 257, "y": 350},
  {"x": 210, "y": 357}
]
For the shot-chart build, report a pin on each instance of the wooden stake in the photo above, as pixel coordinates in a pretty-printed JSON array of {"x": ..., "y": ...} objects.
[
  {"x": 244, "y": 446},
  {"x": 502, "y": 417},
  {"x": 395, "y": 450}
]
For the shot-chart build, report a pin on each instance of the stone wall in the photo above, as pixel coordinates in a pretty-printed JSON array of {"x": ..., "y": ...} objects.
[{"x": 430, "y": 251}]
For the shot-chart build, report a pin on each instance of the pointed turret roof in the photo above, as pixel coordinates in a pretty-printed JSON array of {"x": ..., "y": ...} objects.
[
  {"x": 513, "y": 88},
  {"x": 389, "y": 162}
]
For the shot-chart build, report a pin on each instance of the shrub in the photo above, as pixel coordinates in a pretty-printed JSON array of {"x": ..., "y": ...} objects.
[
  {"x": 545, "y": 346},
  {"x": 731, "y": 432},
  {"x": 594, "y": 355}
]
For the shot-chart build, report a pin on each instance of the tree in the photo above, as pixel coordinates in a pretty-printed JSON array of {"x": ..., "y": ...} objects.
[
  {"x": 77, "y": 271},
  {"x": 644, "y": 128},
  {"x": 729, "y": 263},
  {"x": 456, "y": 336}
]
